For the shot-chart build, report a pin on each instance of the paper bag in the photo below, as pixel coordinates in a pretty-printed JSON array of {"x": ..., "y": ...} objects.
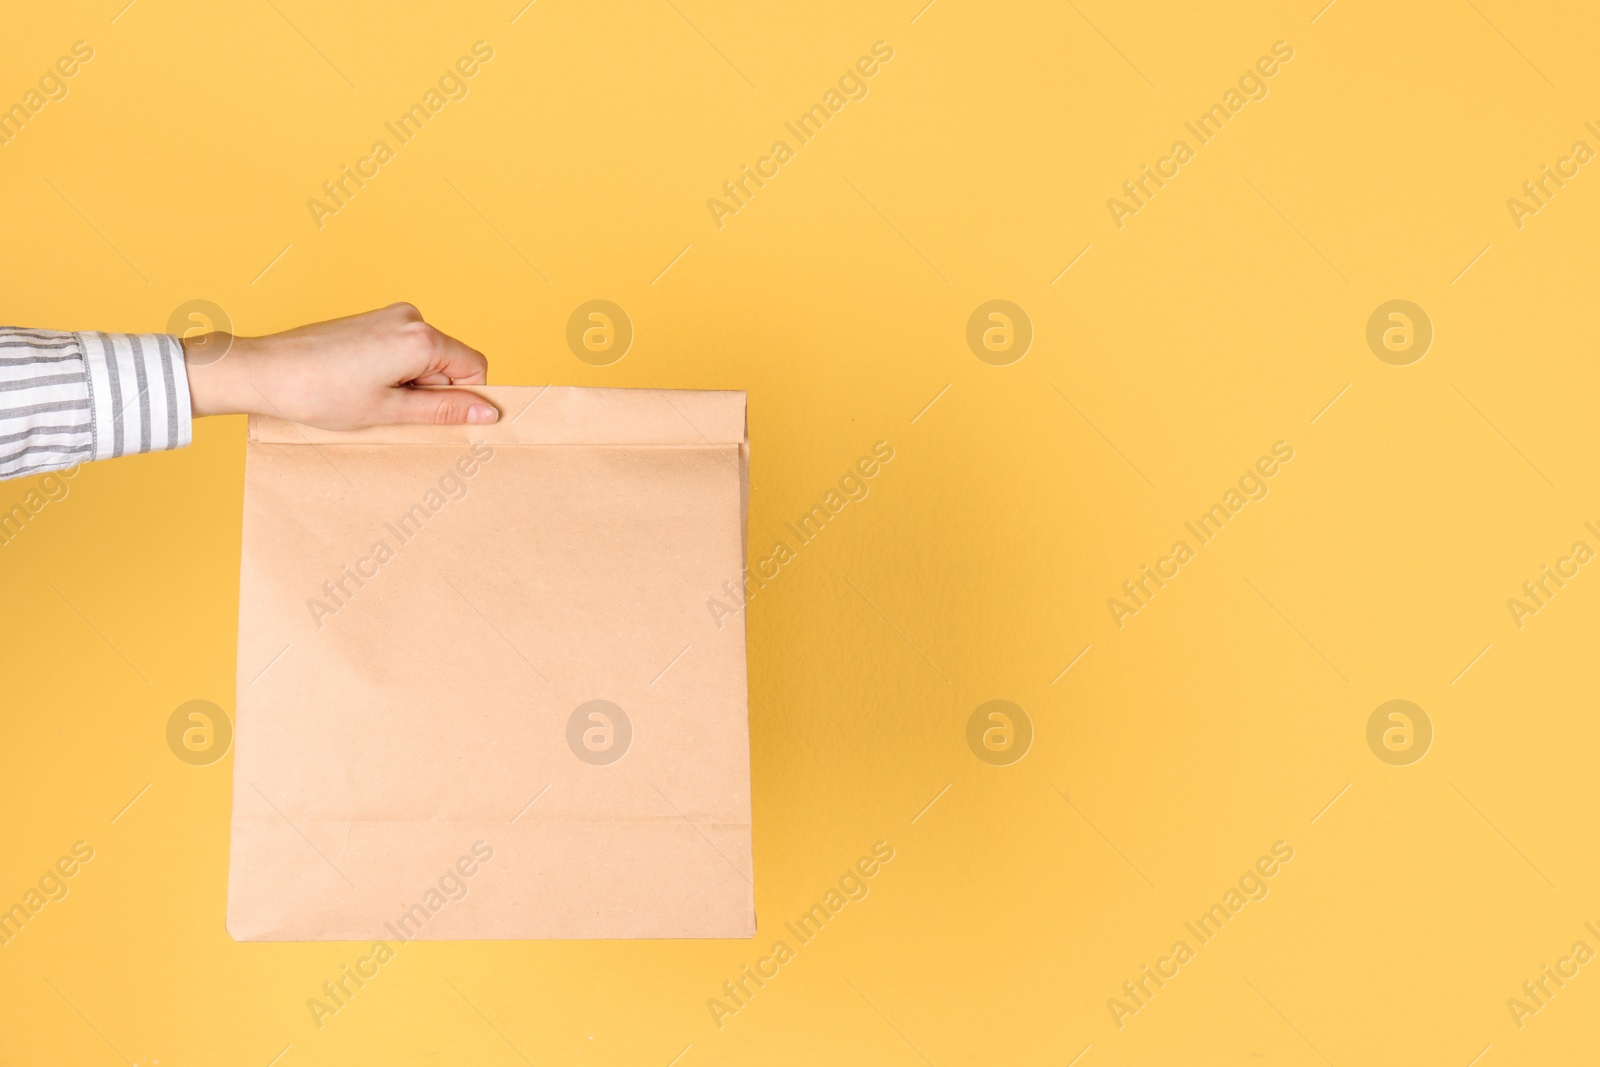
[{"x": 483, "y": 691}]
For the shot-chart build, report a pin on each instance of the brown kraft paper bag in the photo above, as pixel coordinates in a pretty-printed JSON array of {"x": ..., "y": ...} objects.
[{"x": 481, "y": 693}]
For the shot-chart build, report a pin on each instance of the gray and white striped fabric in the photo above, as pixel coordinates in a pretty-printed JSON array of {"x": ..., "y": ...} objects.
[{"x": 67, "y": 398}]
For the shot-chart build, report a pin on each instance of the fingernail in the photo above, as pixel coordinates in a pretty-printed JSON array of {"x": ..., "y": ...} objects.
[{"x": 482, "y": 413}]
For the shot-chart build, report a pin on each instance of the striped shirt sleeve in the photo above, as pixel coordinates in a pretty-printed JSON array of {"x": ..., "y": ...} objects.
[{"x": 68, "y": 398}]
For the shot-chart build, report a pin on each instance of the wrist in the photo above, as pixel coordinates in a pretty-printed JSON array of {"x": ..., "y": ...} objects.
[{"x": 219, "y": 376}]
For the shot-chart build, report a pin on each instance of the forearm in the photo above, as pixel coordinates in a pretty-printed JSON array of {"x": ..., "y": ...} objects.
[{"x": 67, "y": 398}]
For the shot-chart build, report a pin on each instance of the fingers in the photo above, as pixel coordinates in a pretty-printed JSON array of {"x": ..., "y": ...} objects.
[
  {"x": 433, "y": 356},
  {"x": 438, "y": 407},
  {"x": 457, "y": 363}
]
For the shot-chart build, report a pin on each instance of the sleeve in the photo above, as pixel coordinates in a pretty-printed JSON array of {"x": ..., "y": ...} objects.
[{"x": 68, "y": 398}]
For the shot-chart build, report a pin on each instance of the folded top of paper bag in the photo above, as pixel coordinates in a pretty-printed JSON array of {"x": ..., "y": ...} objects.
[{"x": 556, "y": 415}]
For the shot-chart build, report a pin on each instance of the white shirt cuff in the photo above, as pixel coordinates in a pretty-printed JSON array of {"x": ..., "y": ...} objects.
[{"x": 138, "y": 391}]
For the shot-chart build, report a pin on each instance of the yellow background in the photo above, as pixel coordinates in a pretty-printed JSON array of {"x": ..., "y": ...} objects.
[{"x": 1225, "y": 316}]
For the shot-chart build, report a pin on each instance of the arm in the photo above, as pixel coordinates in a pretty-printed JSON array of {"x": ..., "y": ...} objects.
[{"x": 66, "y": 398}]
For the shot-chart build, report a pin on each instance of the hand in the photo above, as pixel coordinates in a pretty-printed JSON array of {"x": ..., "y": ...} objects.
[{"x": 341, "y": 375}]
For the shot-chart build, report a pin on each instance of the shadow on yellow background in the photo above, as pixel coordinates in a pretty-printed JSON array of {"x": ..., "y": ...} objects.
[{"x": 1235, "y": 367}]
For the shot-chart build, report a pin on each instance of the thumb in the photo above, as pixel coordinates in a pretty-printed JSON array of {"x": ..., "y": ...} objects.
[{"x": 438, "y": 407}]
